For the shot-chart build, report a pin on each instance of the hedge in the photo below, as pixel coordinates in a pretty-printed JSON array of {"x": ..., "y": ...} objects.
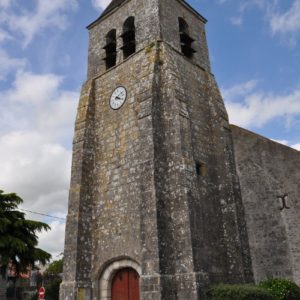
[{"x": 281, "y": 289}]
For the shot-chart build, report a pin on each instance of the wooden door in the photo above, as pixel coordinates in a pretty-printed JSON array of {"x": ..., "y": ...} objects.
[{"x": 125, "y": 285}]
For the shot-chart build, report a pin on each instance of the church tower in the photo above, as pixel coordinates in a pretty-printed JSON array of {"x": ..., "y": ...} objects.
[{"x": 155, "y": 210}]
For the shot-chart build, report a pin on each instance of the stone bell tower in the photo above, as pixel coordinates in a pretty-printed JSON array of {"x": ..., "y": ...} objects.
[{"x": 155, "y": 210}]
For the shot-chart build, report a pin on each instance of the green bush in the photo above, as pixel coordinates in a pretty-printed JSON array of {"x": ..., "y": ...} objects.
[
  {"x": 239, "y": 292},
  {"x": 281, "y": 289},
  {"x": 52, "y": 290}
]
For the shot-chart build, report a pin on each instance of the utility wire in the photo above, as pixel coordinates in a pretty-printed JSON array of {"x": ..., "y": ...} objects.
[{"x": 41, "y": 214}]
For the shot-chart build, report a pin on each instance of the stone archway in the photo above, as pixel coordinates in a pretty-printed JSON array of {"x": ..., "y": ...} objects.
[{"x": 108, "y": 275}]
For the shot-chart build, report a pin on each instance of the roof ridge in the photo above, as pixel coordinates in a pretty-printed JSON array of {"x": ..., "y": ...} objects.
[
  {"x": 112, "y": 5},
  {"x": 116, "y": 3}
]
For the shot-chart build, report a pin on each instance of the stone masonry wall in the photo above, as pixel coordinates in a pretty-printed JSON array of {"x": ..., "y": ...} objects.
[
  {"x": 198, "y": 213},
  {"x": 124, "y": 197},
  {"x": 175, "y": 249},
  {"x": 267, "y": 170},
  {"x": 170, "y": 11},
  {"x": 192, "y": 127},
  {"x": 112, "y": 207},
  {"x": 78, "y": 246},
  {"x": 135, "y": 193},
  {"x": 147, "y": 29}
]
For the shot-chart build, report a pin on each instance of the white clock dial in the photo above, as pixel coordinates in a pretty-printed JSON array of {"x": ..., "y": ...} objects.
[{"x": 118, "y": 97}]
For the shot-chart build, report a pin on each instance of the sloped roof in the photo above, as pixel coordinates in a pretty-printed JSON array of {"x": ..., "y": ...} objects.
[{"x": 115, "y": 3}]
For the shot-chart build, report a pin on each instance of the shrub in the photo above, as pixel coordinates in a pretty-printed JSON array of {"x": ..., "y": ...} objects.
[
  {"x": 281, "y": 289},
  {"x": 52, "y": 289},
  {"x": 239, "y": 292}
]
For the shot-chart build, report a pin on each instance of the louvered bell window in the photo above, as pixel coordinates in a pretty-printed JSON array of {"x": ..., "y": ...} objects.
[
  {"x": 128, "y": 37},
  {"x": 110, "y": 49},
  {"x": 186, "y": 40}
]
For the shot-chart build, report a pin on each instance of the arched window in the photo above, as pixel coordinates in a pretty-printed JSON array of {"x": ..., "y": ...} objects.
[
  {"x": 111, "y": 49},
  {"x": 128, "y": 37},
  {"x": 185, "y": 39}
]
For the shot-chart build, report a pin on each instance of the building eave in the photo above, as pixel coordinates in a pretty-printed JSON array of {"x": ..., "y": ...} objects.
[{"x": 116, "y": 4}]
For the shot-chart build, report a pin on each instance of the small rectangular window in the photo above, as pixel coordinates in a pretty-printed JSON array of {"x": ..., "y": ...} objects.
[{"x": 201, "y": 169}]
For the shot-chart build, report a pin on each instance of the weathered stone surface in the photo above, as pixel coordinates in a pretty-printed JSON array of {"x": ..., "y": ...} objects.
[
  {"x": 154, "y": 184},
  {"x": 268, "y": 170},
  {"x": 147, "y": 22}
]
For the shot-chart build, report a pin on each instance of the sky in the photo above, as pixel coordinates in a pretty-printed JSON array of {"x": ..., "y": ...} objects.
[{"x": 255, "y": 54}]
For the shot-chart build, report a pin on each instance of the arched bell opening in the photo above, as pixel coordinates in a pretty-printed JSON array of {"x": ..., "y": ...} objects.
[
  {"x": 120, "y": 280},
  {"x": 110, "y": 49},
  {"x": 186, "y": 40},
  {"x": 128, "y": 36}
]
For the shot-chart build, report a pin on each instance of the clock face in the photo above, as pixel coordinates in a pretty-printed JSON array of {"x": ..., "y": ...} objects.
[{"x": 118, "y": 97}]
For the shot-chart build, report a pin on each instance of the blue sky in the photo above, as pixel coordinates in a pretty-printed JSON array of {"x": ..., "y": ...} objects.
[{"x": 255, "y": 53}]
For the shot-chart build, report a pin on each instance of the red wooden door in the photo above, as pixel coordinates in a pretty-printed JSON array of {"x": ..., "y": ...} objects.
[{"x": 125, "y": 285}]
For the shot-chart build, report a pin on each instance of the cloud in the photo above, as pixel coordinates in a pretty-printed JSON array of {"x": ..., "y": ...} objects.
[
  {"x": 296, "y": 146},
  {"x": 237, "y": 21},
  {"x": 53, "y": 241},
  {"x": 9, "y": 64},
  {"x": 32, "y": 88},
  {"x": 4, "y": 35},
  {"x": 46, "y": 14},
  {"x": 260, "y": 4},
  {"x": 37, "y": 102},
  {"x": 246, "y": 5},
  {"x": 287, "y": 143},
  {"x": 37, "y": 115},
  {"x": 36, "y": 124},
  {"x": 36, "y": 169},
  {"x": 250, "y": 108},
  {"x": 283, "y": 22},
  {"x": 241, "y": 89},
  {"x": 100, "y": 4},
  {"x": 5, "y": 3},
  {"x": 288, "y": 21},
  {"x": 283, "y": 142}
]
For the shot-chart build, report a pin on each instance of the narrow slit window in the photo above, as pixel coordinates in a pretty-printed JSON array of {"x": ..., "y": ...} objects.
[
  {"x": 128, "y": 36},
  {"x": 186, "y": 40},
  {"x": 110, "y": 49},
  {"x": 200, "y": 169}
]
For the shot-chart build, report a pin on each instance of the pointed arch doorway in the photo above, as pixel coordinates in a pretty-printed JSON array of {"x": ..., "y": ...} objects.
[{"x": 125, "y": 285}]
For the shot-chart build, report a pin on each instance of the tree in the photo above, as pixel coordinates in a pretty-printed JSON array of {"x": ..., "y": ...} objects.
[
  {"x": 52, "y": 278},
  {"x": 18, "y": 236},
  {"x": 55, "y": 268},
  {"x": 52, "y": 289}
]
